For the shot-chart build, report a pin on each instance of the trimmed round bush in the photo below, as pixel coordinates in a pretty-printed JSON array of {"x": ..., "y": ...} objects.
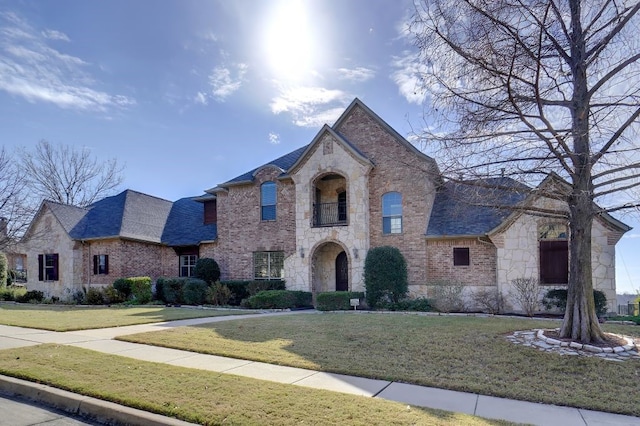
[
  {"x": 207, "y": 269},
  {"x": 194, "y": 291},
  {"x": 385, "y": 276}
]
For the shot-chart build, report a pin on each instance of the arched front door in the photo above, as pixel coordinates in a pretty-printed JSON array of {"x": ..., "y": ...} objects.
[{"x": 342, "y": 272}]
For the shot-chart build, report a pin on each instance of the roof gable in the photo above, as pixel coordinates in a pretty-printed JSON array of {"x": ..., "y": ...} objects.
[{"x": 328, "y": 131}]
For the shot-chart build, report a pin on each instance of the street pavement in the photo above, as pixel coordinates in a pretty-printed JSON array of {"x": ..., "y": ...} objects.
[{"x": 15, "y": 412}]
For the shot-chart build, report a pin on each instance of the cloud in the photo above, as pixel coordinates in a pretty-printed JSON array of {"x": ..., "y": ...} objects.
[
  {"x": 225, "y": 81},
  {"x": 358, "y": 74},
  {"x": 274, "y": 138},
  {"x": 407, "y": 77},
  {"x": 201, "y": 98},
  {"x": 55, "y": 35},
  {"x": 33, "y": 70},
  {"x": 310, "y": 106},
  {"x": 631, "y": 236}
]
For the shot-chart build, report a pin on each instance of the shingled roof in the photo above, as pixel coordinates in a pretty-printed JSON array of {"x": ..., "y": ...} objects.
[
  {"x": 185, "y": 224},
  {"x": 138, "y": 216},
  {"x": 467, "y": 208},
  {"x": 285, "y": 162}
]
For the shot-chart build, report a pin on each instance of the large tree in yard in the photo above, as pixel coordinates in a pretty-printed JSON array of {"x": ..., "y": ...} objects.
[
  {"x": 69, "y": 175},
  {"x": 530, "y": 88}
]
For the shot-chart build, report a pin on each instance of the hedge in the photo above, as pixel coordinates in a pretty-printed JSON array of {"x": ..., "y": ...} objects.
[
  {"x": 243, "y": 289},
  {"x": 337, "y": 300},
  {"x": 279, "y": 299},
  {"x": 169, "y": 290}
]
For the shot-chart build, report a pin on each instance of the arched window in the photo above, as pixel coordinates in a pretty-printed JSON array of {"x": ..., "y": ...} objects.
[
  {"x": 554, "y": 253},
  {"x": 392, "y": 213},
  {"x": 268, "y": 201}
]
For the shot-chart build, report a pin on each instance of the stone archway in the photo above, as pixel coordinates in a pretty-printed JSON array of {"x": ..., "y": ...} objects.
[{"x": 324, "y": 261}]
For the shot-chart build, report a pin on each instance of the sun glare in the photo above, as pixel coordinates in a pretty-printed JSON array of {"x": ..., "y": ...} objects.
[{"x": 289, "y": 41}]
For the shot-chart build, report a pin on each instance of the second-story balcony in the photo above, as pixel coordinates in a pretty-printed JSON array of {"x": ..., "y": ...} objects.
[{"x": 330, "y": 214}]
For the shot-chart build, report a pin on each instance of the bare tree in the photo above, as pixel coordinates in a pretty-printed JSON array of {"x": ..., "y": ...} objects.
[
  {"x": 67, "y": 175},
  {"x": 527, "y": 88},
  {"x": 15, "y": 213}
]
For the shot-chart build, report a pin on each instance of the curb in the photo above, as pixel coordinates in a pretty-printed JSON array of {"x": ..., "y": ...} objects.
[{"x": 84, "y": 406}]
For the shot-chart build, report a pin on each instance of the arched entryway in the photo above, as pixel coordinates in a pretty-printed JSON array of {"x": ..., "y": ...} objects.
[
  {"x": 329, "y": 268},
  {"x": 342, "y": 272}
]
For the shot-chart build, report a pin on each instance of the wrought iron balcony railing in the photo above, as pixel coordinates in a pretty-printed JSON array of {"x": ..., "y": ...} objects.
[{"x": 329, "y": 214}]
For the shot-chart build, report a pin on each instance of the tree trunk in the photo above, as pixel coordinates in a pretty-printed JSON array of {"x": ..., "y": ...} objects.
[{"x": 580, "y": 320}]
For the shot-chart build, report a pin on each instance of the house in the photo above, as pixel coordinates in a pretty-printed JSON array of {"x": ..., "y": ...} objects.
[
  {"x": 310, "y": 217},
  {"x": 129, "y": 234}
]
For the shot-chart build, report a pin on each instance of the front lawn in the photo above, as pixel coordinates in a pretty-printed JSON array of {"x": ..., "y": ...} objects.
[
  {"x": 460, "y": 353},
  {"x": 69, "y": 318},
  {"x": 206, "y": 397}
]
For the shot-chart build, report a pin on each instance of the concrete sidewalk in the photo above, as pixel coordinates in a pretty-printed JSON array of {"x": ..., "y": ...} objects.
[{"x": 485, "y": 406}]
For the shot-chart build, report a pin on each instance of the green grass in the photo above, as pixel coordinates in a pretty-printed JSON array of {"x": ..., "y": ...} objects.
[
  {"x": 460, "y": 353},
  {"x": 69, "y": 318},
  {"x": 206, "y": 397}
]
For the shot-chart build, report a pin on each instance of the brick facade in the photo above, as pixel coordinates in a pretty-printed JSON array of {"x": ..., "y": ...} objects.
[
  {"x": 481, "y": 270},
  {"x": 241, "y": 230},
  {"x": 401, "y": 169}
]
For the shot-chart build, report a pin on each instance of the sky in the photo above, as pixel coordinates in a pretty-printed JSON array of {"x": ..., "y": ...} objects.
[{"x": 187, "y": 94}]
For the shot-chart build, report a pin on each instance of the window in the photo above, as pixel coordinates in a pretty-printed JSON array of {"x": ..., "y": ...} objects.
[
  {"x": 461, "y": 256},
  {"x": 268, "y": 265},
  {"x": 210, "y": 212},
  {"x": 187, "y": 264},
  {"x": 268, "y": 201},
  {"x": 48, "y": 267},
  {"x": 100, "y": 264},
  {"x": 392, "y": 213},
  {"x": 554, "y": 254}
]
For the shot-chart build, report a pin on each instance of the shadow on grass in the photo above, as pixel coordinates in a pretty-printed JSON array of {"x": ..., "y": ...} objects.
[{"x": 458, "y": 353}]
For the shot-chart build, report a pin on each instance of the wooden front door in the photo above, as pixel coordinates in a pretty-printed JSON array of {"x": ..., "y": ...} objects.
[{"x": 342, "y": 272}]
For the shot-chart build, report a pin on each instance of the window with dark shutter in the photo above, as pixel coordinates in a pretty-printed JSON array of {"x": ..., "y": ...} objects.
[
  {"x": 48, "y": 267},
  {"x": 554, "y": 262},
  {"x": 101, "y": 264},
  {"x": 461, "y": 256},
  {"x": 553, "y": 253}
]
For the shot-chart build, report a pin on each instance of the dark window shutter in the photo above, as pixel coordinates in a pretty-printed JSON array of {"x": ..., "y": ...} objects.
[
  {"x": 554, "y": 262},
  {"x": 95, "y": 264},
  {"x": 106, "y": 264},
  {"x": 55, "y": 267},
  {"x": 461, "y": 256},
  {"x": 40, "y": 267}
]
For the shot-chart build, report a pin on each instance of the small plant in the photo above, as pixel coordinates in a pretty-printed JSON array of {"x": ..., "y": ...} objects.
[
  {"x": 94, "y": 296},
  {"x": 218, "y": 294},
  {"x": 111, "y": 295},
  {"x": 490, "y": 300},
  {"x": 448, "y": 296},
  {"x": 31, "y": 296},
  {"x": 207, "y": 270},
  {"x": 135, "y": 289},
  {"x": 526, "y": 291},
  {"x": 385, "y": 276}
]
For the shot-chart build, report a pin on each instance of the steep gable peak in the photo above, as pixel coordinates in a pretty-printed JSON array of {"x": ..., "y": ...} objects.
[{"x": 330, "y": 132}]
